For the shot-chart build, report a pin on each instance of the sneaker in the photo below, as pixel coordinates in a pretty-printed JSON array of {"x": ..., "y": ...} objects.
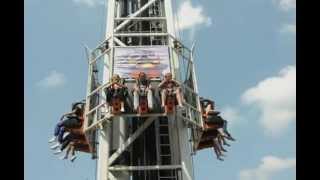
[
  {"x": 231, "y": 138},
  {"x": 57, "y": 152},
  {"x": 220, "y": 158},
  {"x": 224, "y": 150},
  {"x": 226, "y": 144},
  {"x": 55, "y": 146},
  {"x": 63, "y": 157},
  {"x": 53, "y": 139},
  {"x": 73, "y": 158}
]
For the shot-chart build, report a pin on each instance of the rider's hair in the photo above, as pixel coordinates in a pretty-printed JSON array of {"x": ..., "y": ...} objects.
[
  {"x": 168, "y": 74},
  {"x": 115, "y": 78},
  {"x": 141, "y": 74}
]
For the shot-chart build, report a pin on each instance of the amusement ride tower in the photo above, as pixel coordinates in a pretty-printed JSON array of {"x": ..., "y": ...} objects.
[{"x": 140, "y": 36}]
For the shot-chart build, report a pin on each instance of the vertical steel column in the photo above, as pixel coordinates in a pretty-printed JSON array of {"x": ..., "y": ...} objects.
[
  {"x": 104, "y": 136},
  {"x": 180, "y": 136},
  {"x": 114, "y": 134}
]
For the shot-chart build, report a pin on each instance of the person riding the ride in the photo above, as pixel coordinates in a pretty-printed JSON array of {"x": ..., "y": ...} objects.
[
  {"x": 213, "y": 117},
  {"x": 142, "y": 87},
  {"x": 170, "y": 87},
  {"x": 116, "y": 89},
  {"x": 74, "y": 119}
]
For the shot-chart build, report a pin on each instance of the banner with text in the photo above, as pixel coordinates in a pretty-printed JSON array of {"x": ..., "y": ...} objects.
[{"x": 129, "y": 61}]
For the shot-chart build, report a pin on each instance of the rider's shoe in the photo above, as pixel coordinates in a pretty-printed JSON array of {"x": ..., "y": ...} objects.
[
  {"x": 63, "y": 157},
  {"x": 57, "y": 152},
  {"x": 73, "y": 158},
  {"x": 224, "y": 150},
  {"x": 220, "y": 158},
  {"x": 55, "y": 146},
  {"x": 231, "y": 138},
  {"x": 226, "y": 144},
  {"x": 53, "y": 139}
]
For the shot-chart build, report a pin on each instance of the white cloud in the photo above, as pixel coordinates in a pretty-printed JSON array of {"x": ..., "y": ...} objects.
[
  {"x": 276, "y": 98},
  {"x": 270, "y": 165},
  {"x": 89, "y": 3},
  {"x": 289, "y": 28},
  {"x": 190, "y": 16},
  {"x": 286, "y": 5},
  {"x": 54, "y": 79}
]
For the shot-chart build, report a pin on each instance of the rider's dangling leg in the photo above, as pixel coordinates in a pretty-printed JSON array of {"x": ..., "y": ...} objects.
[
  {"x": 150, "y": 99},
  {"x": 135, "y": 100},
  {"x": 164, "y": 93},
  {"x": 73, "y": 152},
  {"x": 122, "y": 99},
  {"x": 179, "y": 97},
  {"x": 216, "y": 149},
  {"x": 226, "y": 131}
]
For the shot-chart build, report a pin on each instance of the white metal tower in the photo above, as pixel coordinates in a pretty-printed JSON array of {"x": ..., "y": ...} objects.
[{"x": 151, "y": 146}]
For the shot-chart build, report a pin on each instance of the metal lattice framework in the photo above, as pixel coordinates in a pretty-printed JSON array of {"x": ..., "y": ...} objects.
[{"x": 142, "y": 23}]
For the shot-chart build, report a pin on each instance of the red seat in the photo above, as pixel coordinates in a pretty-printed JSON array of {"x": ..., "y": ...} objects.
[
  {"x": 205, "y": 144},
  {"x": 207, "y": 137},
  {"x": 116, "y": 105},
  {"x": 208, "y": 126},
  {"x": 143, "y": 106},
  {"x": 170, "y": 104}
]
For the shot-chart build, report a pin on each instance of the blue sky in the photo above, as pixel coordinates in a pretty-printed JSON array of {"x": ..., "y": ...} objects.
[{"x": 245, "y": 60}]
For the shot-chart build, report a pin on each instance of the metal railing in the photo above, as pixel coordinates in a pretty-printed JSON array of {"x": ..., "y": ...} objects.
[{"x": 97, "y": 114}]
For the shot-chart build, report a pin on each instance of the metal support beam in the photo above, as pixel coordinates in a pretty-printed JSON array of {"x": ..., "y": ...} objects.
[
  {"x": 139, "y": 34},
  {"x": 95, "y": 124},
  {"x": 119, "y": 42},
  {"x": 131, "y": 139},
  {"x": 140, "y": 18},
  {"x": 134, "y": 15},
  {"x": 100, "y": 56},
  {"x": 185, "y": 171},
  {"x": 144, "y": 168},
  {"x": 103, "y": 154},
  {"x": 111, "y": 176}
]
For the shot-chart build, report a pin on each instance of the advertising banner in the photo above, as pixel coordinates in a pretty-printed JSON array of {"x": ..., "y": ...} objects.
[{"x": 129, "y": 61}]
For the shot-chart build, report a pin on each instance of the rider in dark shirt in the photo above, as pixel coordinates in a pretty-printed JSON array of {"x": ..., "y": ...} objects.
[
  {"x": 74, "y": 119},
  {"x": 212, "y": 116},
  {"x": 116, "y": 89}
]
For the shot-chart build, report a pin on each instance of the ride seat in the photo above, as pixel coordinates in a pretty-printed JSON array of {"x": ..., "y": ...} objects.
[
  {"x": 205, "y": 144},
  {"x": 207, "y": 137},
  {"x": 116, "y": 105}
]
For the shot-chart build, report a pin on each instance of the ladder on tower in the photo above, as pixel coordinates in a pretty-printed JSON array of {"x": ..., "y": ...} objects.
[
  {"x": 154, "y": 10},
  {"x": 165, "y": 153}
]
